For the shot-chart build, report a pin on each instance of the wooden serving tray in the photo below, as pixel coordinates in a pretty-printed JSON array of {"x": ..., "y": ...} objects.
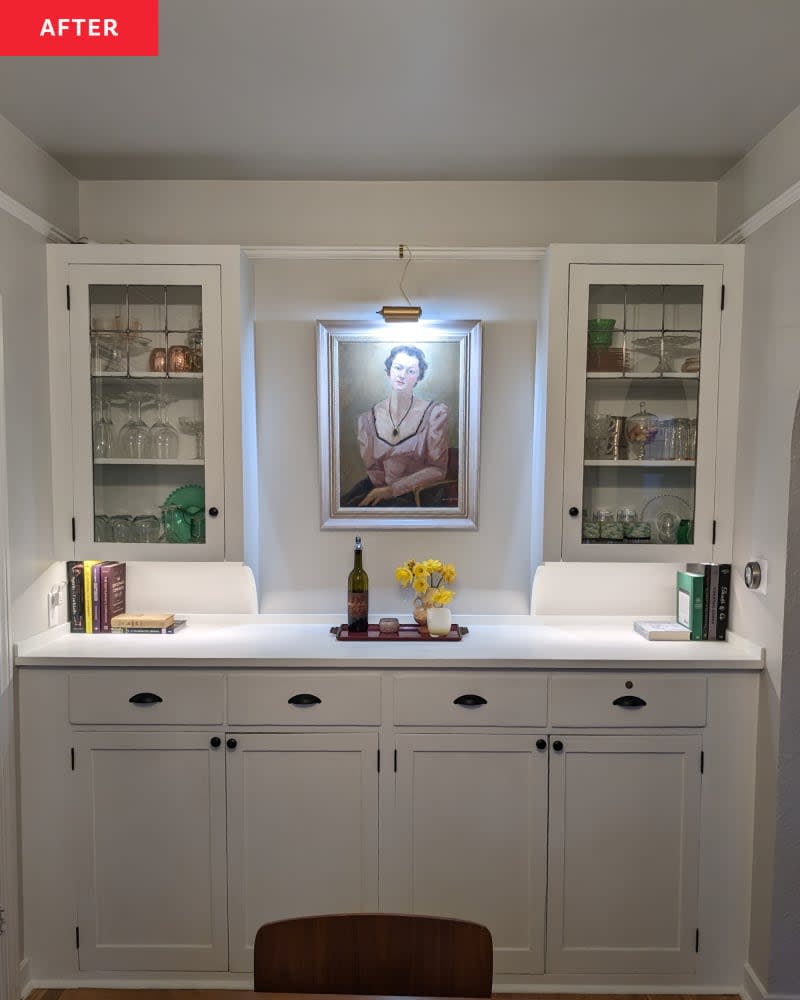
[{"x": 407, "y": 633}]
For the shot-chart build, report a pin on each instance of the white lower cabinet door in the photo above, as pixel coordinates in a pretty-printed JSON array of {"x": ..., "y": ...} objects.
[
  {"x": 302, "y": 830},
  {"x": 150, "y": 829},
  {"x": 623, "y": 853},
  {"x": 471, "y": 834}
]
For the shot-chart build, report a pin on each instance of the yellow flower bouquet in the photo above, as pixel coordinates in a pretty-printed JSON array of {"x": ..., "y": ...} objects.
[{"x": 427, "y": 578}]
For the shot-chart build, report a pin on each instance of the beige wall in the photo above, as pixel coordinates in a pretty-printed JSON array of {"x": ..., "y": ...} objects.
[{"x": 435, "y": 213}]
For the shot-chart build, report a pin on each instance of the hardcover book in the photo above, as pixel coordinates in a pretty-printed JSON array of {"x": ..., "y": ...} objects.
[
  {"x": 145, "y": 630},
  {"x": 87, "y": 593},
  {"x": 75, "y": 596},
  {"x": 113, "y": 577},
  {"x": 710, "y": 573},
  {"x": 690, "y": 602},
  {"x": 723, "y": 599},
  {"x": 663, "y": 631},
  {"x": 138, "y": 619}
]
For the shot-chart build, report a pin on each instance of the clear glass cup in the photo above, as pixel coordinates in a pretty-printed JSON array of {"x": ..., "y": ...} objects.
[
  {"x": 195, "y": 427},
  {"x": 122, "y": 528},
  {"x": 146, "y": 529},
  {"x": 102, "y": 528},
  {"x": 680, "y": 449}
]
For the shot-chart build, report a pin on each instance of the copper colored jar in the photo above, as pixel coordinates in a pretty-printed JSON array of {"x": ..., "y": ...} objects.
[
  {"x": 179, "y": 358},
  {"x": 158, "y": 360}
]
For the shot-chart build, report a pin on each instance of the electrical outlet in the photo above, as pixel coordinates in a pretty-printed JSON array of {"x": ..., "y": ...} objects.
[{"x": 56, "y": 605}]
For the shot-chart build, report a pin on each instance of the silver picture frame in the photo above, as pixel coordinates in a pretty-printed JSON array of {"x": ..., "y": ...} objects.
[{"x": 399, "y": 430}]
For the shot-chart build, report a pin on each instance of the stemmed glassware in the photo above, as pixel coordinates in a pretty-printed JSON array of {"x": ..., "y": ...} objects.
[
  {"x": 195, "y": 427},
  {"x": 163, "y": 436},
  {"x": 134, "y": 437},
  {"x": 102, "y": 431}
]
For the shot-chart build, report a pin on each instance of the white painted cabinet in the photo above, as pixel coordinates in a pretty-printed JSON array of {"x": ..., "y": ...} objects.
[
  {"x": 149, "y": 815},
  {"x": 302, "y": 829},
  {"x": 638, "y": 359},
  {"x": 146, "y": 418},
  {"x": 470, "y": 829},
  {"x": 623, "y": 853}
]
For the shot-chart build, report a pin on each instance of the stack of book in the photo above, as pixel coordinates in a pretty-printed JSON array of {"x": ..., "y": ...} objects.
[
  {"x": 704, "y": 599},
  {"x": 95, "y": 593},
  {"x": 156, "y": 623}
]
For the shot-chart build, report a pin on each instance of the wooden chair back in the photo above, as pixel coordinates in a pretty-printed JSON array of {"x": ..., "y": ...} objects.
[{"x": 374, "y": 953}]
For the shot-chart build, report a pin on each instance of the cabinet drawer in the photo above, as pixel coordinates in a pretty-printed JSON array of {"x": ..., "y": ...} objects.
[
  {"x": 594, "y": 700},
  {"x": 183, "y": 699},
  {"x": 304, "y": 699},
  {"x": 470, "y": 700}
]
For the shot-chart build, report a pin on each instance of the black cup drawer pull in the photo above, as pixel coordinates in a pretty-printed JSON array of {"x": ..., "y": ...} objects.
[
  {"x": 145, "y": 698},
  {"x": 470, "y": 700},
  {"x": 629, "y": 701},
  {"x": 305, "y": 699}
]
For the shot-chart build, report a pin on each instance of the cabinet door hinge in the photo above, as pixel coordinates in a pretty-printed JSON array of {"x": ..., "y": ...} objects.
[
  {"x": 379, "y": 761},
  {"x": 77, "y": 938},
  {"x": 73, "y": 529},
  {"x": 722, "y": 299},
  {"x": 395, "y": 758},
  {"x": 68, "y": 299},
  {"x": 72, "y": 758},
  {"x": 714, "y": 532},
  {"x": 702, "y": 761},
  {"x": 697, "y": 939}
]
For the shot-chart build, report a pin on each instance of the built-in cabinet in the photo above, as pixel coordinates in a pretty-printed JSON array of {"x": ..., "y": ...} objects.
[
  {"x": 146, "y": 418},
  {"x": 637, "y": 367},
  {"x": 564, "y": 811}
]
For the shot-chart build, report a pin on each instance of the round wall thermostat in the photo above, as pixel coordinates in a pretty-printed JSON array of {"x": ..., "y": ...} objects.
[{"x": 752, "y": 575}]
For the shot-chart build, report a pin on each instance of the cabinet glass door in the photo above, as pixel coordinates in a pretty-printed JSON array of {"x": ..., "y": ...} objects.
[
  {"x": 641, "y": 423},
  {"x": 145, "y": 387}
]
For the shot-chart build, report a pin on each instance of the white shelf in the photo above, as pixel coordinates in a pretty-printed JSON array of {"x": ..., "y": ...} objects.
[
  {"x": 149, "y": 461},
  {"x": 651, "y": 376},
  {"x": 630, "y": 463}
]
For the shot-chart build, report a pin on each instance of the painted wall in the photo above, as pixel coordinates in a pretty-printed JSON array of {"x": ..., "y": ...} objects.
[
  {"x": 433, "y": 213},
  {"x": 769, "y": 394},
  {"x": 303, "y": 568},
  {"x": 31, "y": 177}
]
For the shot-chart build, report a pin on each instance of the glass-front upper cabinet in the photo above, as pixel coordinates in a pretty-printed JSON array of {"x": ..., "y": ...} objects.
[
  {"x": 641, "y": 411},
  {"x": 145, "y": 355}
]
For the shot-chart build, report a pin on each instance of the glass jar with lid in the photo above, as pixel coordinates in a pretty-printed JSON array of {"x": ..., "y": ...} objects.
[{"x": 640, "y": 430}]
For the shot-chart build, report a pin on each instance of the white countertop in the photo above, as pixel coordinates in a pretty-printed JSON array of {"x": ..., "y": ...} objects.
[{"x": 249, "y": 641}]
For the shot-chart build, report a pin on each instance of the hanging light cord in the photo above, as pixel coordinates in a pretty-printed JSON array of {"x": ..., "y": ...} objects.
[{"x": 405, "y": 249}]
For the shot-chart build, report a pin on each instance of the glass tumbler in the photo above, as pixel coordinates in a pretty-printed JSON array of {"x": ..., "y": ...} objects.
[
  {"x": 146, "y": 528},
  {"x": 681, "y": 445},
  {"x": 122, "y": 528}
]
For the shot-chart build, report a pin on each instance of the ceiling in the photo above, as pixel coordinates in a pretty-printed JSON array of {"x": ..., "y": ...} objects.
[{"x": 422, "y": 90}]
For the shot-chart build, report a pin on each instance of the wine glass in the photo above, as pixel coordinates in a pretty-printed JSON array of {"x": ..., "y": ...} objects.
[
  {"x": 163, "y": 436},
  {"x": 195, "y": 427},
  {"x": 102, "y": 431},
  {"x": 134, "y": 436}
]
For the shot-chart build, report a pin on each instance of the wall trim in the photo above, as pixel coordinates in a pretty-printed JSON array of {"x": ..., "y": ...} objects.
[
  {"x": 41, "y": 225},
  {"x": 752, "y": 987},
  {"x": 391, "y": 253},
  {"x": 764, "y": 215}
]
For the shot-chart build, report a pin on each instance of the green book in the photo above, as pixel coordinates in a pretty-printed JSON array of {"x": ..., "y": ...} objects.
[{"x": 689, "y": 610}]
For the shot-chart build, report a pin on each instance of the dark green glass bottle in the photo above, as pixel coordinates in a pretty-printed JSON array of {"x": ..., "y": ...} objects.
[{"x": 357, "y": 593}]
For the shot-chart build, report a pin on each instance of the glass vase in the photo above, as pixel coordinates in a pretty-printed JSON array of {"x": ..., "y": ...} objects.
[{"x": 439, "y": 621}]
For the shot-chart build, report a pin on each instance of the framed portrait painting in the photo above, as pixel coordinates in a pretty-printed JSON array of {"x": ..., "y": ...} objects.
[{"x": 399, "y": 424}]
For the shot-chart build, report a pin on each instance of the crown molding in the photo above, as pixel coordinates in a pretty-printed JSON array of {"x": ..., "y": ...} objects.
[
  {"x": 52, "y": 233},
  {"x": 764, "y": 215},
  {"x": 392, "y": 253}
]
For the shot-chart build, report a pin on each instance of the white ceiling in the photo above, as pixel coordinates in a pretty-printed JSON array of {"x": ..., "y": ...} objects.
[{"x": 422, "y": 89}]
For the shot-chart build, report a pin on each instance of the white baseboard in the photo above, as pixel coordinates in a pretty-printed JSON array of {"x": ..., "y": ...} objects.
[
  {"x": 226, "y": 981},
  {"x": 24, "y": 978},
  {"x": 752, "y": 987}
]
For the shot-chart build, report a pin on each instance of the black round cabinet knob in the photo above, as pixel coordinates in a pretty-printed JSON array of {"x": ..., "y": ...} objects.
[
  {"x": 558, "y": 746},
  {"x": 541, "y": 744},
  {"x": 213, "y": 511},
  {"x": 231, "y": 744},
  {"x": 573, "y": 512},
  {"x": 215, "y": 741}
]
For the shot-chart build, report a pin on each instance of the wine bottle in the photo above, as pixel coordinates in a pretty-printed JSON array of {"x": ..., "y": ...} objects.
[{"x": 357, "y": 593}]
